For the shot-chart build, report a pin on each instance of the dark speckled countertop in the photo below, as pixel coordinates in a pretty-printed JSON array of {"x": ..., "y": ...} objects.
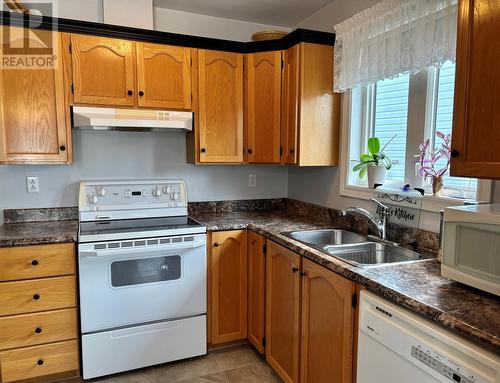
[
  {"x": 38, "y": 233},
  {"x": 417, "y": 286}
]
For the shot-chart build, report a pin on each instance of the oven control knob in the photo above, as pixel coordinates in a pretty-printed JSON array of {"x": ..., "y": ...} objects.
[
  {"x": 101, "y": 191},
  {"x": 93, "y": 199},
  {"x": 156, "y": 192},
  {"x": 174, "y": 196},
  {"x": 167, "y": 189}
]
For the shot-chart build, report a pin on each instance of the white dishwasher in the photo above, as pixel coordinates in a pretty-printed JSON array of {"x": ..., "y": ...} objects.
[{"x": 397, "y": 346}]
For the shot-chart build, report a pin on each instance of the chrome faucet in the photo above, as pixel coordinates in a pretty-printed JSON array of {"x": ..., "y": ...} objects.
[{"x": 380, "y": 224}]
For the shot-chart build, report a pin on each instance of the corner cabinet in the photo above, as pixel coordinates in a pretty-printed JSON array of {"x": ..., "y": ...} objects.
[
  {"x": 263, "y": 107},
  {"x": 283, "y": 312},
  {"x": 35, "y": 122},
  {"x": 476, "y": 120},
  {"x": 228, "y": 286},
  {"x": 257, "y": 290}
]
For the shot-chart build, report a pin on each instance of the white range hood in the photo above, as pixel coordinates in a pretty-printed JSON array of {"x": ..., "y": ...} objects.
[{"x": 131, "y": 119}]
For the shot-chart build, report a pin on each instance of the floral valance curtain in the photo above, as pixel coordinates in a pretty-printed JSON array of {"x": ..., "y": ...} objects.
[{"x": 393, "y": 37}]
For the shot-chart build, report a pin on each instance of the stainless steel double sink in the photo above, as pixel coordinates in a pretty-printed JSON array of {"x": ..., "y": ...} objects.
[{"x": 354, "y": 248}]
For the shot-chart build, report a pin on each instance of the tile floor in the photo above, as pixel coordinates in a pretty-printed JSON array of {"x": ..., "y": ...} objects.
[{"x": 237, "y": 364}]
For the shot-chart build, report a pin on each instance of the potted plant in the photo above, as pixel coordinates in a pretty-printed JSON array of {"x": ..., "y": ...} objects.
[
  {"x": 376, "y": 163},
  {"x": 427, "y": 161}
]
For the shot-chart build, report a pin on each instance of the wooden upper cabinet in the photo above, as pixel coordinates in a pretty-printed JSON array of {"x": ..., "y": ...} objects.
[
  {"x": 263, "y": 106},
  {"x": 311, "y": 111},
  {"x": 327, "y": 326},
  {"x": 256, "y": 290},
  {"x": 220, "y": 109},
  {"x": 476, "y": 120},
  {"x": 35, "y": 123},
  {"x": 163, "y": 76},
  {"x": 283, "y": 311},
  {"x": 228, "y": 286},
  {"x": 103, "y": 71},
  {"x": 290, "y": 104}
]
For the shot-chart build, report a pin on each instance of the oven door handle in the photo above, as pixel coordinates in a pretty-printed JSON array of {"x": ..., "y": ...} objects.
[{"x": 114, "y": 251}]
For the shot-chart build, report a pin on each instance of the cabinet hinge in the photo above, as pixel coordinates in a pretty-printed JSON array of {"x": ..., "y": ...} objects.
[
  {"x": 282, "y": 63},
  {"x": 354, "y": 300},
  {"x": 72, "y": 88},
  {"x": 264, "y": 249},
  {"x": 264, "y": 342},
  {"x": 70, "y": 48},
  {"x": 191, "y": 97},
  {"x": 191, "y": 61},
  {"x": 281, "y": 151}
]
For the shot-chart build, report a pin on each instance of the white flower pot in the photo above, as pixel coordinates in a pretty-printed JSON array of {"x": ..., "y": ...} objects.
[{"x": 376, "y": 175}]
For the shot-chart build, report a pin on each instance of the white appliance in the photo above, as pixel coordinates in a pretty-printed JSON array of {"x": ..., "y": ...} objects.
[
  {"x": 85, "y": 117},
  {"x": 142, "y": 276},
  {"x": 471, "y": 246},
  {"x": 397, "y": 346}
]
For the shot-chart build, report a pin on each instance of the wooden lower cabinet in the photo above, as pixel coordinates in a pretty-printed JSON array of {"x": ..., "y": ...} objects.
[
  {"x": 327, "y": 326},
  {"x": 256, "y": 290},
  {"x": 38, "y": 316},
  {"x": 283, "y": 311},
  {"x": 228, "y": 286}
]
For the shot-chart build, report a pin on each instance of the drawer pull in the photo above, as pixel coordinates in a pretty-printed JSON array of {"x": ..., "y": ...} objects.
[
  {"x": 39, "y": 362},
  {"x": 38, "y": 330},
  {"x": 34, "y": 262},
  {"x": 36, "y": 297}
]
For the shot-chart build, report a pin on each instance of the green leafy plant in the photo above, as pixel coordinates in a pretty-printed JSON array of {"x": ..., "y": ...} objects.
[{"x": 376, "y": 156}]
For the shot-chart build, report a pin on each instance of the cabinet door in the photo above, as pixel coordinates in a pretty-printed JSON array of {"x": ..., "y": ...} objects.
[
  {"x": 229, "y": 286},
  {"x": 476, "y": 117},
  {"x": 327, "y": 326},
  {"x": 163, "y": 76},
  {"x": 283, "y": 311},
  {"x": 289, "y": 117},
  {"x": 220, "y": 106},
  {"x": 35, "y": 124},
  {"x": 103, "y": 71},
  {"x": 263, "y": 94},
  {"x": 256, "y": 290}
]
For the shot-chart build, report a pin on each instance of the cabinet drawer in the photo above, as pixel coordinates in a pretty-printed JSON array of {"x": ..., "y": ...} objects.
[
  {"x": 37, "y": 295},
  {"x": 37, "y": 261},
  {"x": 32, "y": 362},
  {"x": 32, "y": 329}
]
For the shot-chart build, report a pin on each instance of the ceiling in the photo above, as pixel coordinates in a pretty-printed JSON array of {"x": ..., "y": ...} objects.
[{"x": 286, "y": 13}]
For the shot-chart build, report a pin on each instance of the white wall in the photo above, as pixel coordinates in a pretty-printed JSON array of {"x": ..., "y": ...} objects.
[
  {"x": 167, "y": 20},
  {"x": 119, "y": 155}
]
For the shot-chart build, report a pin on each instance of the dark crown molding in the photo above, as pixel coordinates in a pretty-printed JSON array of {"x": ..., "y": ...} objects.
[{"x": 121, "y": 32}]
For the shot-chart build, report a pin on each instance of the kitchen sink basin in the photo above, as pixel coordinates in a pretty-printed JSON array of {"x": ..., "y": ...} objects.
[
  {"x": 354, "y": 248},
  {"x": 372, "y": 254},
  {"x": 325, "y": 237}
]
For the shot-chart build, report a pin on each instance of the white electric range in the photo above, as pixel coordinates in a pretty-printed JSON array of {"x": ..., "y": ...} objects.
[{"x": 142, "y": 276}]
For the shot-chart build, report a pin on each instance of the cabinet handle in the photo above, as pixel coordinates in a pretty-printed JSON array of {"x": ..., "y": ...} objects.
[
  {"x": 203, "y": 150},
  {"x": 292, "y": 151},
  {"x": 216, "y": 244},
  {"x": 249, "y": 151},
  {"x": 34, "y": 262},
  {"x": 39, "y": 362},
  {"x": 141, "y": 93},
  {"x": 62, "y": 148},
  {"x": 302, "y": 274},
  {"x": 130, "y": 93},
  {"x": 36, "y": 297},
  {"x": 38, "y": 330},
  {"x": 455, "y": 153},
  {"x": 295, "y": 269}
]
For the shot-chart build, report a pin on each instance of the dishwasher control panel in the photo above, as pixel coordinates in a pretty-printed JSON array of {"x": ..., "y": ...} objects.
[{"x": 442, "y": 365}]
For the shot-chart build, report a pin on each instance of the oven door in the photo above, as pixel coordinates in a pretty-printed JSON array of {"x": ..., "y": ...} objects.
[{"x": 141, "y": 283}]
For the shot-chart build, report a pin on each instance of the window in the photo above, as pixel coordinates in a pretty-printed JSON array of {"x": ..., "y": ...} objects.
[{"x": 405, "y": 110}]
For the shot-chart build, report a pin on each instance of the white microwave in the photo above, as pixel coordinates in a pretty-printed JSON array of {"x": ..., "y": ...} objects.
[{"x": 471, "y": 246}]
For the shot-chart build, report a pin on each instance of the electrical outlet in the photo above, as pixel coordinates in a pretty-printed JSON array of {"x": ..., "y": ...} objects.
[
  {"x": 32, "y": 185},
  {"x": 252, "y": 180}
]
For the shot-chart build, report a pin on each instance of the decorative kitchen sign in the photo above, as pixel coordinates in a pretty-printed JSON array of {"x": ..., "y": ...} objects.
[{"x": 405, "y": 205}]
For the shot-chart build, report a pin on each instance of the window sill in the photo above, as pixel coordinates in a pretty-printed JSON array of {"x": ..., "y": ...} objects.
[{"x": 429, "y": 203}]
